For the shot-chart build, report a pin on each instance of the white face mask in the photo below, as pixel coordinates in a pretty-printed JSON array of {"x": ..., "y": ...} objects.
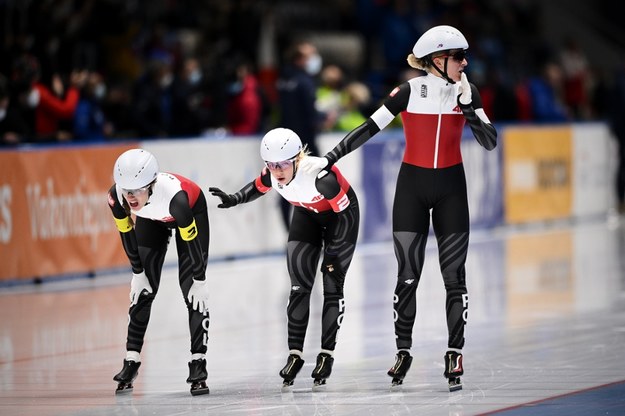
[
  {"x": 195, "y": 77},
  {"x": 3, "y": 113},
  {"x": 33, "y": 98},
  {"x": 99, "y": 91},
  {"x": 313, "y": 64}
]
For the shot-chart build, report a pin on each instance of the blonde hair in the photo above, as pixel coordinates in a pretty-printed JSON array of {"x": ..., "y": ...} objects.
[
  {"x": 302, "y": 153},
  {"x": 418, "y": 63}
]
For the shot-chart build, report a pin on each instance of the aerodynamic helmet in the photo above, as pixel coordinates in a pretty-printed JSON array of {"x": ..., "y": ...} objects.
[
  {"x": 135, "y": 168},
  {"x": 439, "y": 38},
  {"x": 280, "y": 144}
]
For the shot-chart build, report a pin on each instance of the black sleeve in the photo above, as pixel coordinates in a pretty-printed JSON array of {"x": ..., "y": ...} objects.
[
  {"x": 250, "y": 192},
  {"x": 126, "y": 231},
  {"x": 327, "y": 184},
  {"x": 396, "y": 102},
  {"x": 180, "y": 209},
  {"x": 484, "y": 133}
]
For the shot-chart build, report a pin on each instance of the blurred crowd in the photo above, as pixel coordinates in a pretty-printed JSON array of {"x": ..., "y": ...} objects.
[{"x": 93, "y": 70}]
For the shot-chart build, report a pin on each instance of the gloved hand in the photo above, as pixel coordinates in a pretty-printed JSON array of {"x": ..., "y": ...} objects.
[
  {"x": 311, "y": 164},
  {"x": 138, "y": 284},
  {"x": 332, "y": 267},
  {"x": 227, "y": 200},
  {"x": 198, "y": 295},
  {"x": 464, "y": 96}
]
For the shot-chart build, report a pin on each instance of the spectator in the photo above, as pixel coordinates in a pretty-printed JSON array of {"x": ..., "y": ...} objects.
[
  {"x": 244, "y": 108},
  {"x": 297, "y": 90},
  {"x": 576, "y": 78},
  {"x": 90, "y": 122},
  {"x": 191, "y": 112},
  {"x": 357, "y": 97},
  {"x": 152, "y": 100},
  {"x": 51, "y": 105},
  {"x": 330, "y": 96},
  {"x": 546, "y": 95}
]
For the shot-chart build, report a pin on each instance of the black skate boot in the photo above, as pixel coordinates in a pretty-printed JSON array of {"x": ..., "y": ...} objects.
[
  {"x": 293, "y": 364},
  {"x": 323, "y": 369},
  {"x": 124, "y": 378},
  {"x": 403, "y": 360},
  {"x": 453, "y": 370},
  {"x": 197, "y": 377}
]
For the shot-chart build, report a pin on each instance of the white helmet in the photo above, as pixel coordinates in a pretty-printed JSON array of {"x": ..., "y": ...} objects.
[
  {"x": 439, "y": 38},
  {"x": 135, "y": 169},
  {"x": 280, "y": 144}
]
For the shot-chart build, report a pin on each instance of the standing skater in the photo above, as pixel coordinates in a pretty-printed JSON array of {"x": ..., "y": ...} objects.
[
  {"x": 161, "y": 202},
  {"x": 325, "y": 221},
  {"x": 434, "y": 108}
]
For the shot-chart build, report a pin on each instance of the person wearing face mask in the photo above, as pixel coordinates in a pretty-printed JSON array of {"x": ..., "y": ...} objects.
[
  {"x": 244, "y": 104},
  {"x": 434, "y": 108},
  {"x": 152, "y": 98},
  {"x": 297, "y": 94},
  {"x": 50, "y": 104},
  {"x": 90, "y": 122},
  {"x": 325, "y": 225},
  {"x": 148, "y": 206},
  {"x": 190, "y": 95}
]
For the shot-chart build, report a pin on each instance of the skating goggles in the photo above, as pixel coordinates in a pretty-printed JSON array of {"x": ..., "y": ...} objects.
[
  {"x": 284, "y": 164},
  {"x": 135, "y": 192},
  {"x": 457, "y": 56}
]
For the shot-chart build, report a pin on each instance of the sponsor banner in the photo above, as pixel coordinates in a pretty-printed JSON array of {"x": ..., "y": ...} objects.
[
  {"x": 54, "y": 216},
  {"x": 594, "y": 169},
  {"x": 538, "y": 173}
]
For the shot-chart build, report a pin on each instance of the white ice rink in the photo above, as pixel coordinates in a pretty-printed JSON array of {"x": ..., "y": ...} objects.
[{"x": 546, "y": 318}]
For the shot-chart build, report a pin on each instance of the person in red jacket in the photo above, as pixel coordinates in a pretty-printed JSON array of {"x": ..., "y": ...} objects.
[
  {"x": 244, "y": 107},
  {"x": 51, "y": 105}
]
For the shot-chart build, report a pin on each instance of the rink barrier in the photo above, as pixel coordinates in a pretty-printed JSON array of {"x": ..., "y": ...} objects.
[{"x": 54, "y": 219}]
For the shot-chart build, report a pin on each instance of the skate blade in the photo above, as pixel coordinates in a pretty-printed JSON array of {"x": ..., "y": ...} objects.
[
  {"x": 319, "y": 385},
  {"x": 287, "y": 386},
  {"x": 123, "y": 388},
  {"x": 455, "y": 385},
  {"x": 396, "y": 385},
  {"x": 199, "y": 388}
]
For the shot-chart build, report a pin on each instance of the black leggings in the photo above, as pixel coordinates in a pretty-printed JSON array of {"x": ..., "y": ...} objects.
[
  {"x": 153, "y": 239},
  {"x": 308, "y": 233},
  {"x": 443, "y": 191}
]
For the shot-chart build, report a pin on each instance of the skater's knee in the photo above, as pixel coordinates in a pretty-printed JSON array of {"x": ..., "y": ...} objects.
[
  {"x": 300, "y": 289},
  {"x": 408, "y": 280}
]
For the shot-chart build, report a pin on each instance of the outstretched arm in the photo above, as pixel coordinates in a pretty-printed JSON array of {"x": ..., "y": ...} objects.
[
  {"x": 396, "y": 102},
  {"x": 250, "y": 192}
]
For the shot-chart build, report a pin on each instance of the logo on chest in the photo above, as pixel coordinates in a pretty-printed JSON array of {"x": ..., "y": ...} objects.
[{"x": 424, "y": 91}]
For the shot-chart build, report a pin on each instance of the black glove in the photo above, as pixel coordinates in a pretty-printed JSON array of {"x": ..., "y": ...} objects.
[
  {"x": 227, "y": 200},
  {"x": 332, "y": 267}
]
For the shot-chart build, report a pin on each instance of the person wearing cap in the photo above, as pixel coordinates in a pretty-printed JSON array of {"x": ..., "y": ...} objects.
[
  {"x": 148, "y": 205},
  {"x": 434, "y": 109},
  {"x": 325, "y": 225}
]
